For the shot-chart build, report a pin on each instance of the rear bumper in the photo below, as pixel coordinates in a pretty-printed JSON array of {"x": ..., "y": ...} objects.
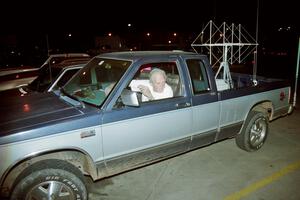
[{"x": 291, "y": 108}]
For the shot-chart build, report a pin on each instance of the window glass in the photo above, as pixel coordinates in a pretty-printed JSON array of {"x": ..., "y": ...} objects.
[
  {"x": 65, "y": 78},
  {"x": 156, "y": 81},
  {"x": 45, "y": 79},
  {"x": 93, "y": 83},
  {"x": 163, "y": 86},
  {"x": 198, "y": 76}
]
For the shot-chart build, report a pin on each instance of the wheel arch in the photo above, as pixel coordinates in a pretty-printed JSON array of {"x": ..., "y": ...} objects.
[
  {"x": 76, "y": 157},
  {"x": 265, "y": 107}
]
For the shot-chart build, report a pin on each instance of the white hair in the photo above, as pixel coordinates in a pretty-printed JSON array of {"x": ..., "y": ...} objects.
[{"x": 157, "y": 71}]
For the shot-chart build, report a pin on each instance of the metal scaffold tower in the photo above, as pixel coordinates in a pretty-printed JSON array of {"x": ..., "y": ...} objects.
[{"x": 226, "y": 44}]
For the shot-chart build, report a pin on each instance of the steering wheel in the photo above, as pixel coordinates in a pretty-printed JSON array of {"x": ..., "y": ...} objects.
[{"x": 86, "y": 92}]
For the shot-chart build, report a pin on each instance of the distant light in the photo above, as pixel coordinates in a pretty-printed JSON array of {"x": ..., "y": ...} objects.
[
  {"x": 175, "y": 34},
  {"x": 148, "y": 34},
  {"x": 169, "y": 41},
  {"x": 288, "y": 28},
  {"x": 70, "y": 35},
  {"x": 109, "y": 34},
  {"x": 129, "y": 25},
  {"x": 26, "y": 107}
]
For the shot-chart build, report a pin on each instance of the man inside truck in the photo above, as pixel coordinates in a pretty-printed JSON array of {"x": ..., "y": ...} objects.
[{"x": 157, "y": 87}]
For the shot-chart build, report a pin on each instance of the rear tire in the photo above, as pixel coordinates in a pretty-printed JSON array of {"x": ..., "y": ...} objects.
[
  {"x": 254, "y": 132},
  {"x": 53, "y": 180}
]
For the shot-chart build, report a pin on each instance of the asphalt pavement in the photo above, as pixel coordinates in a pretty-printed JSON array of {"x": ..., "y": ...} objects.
[{"x": 217, "y": 171}]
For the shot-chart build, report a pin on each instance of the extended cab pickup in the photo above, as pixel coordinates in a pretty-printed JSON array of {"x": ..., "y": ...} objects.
[{"x": 98, "y": 126}]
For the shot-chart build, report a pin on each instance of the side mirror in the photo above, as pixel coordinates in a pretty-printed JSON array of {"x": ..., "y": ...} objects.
[{"x": 129, "y": 98}]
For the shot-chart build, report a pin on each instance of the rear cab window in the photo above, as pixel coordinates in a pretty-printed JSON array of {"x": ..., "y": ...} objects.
[{"x": 198, "y": 76}]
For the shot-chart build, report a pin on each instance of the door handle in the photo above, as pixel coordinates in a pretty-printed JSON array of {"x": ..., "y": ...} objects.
[{"x": 183, "y": 105}]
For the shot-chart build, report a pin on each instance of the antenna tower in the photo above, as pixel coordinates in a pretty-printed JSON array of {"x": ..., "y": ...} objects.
[{"x": 226, "y": 44}]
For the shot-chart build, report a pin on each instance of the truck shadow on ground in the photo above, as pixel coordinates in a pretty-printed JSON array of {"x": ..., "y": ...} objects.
[{"x": 94, "y": 187}]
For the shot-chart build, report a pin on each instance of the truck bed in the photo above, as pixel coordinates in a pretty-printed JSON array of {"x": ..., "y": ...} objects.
[{"x": 245, "y": 80}]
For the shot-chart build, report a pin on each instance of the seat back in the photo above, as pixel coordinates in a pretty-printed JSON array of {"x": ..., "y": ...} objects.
[{"x": 174, "y": 81}]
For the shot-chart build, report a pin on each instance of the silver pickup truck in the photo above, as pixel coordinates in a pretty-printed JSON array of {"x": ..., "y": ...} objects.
[{"x": 98, "y": 124}]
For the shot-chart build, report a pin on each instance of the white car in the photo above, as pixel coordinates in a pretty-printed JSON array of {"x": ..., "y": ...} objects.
[
  {"x": 44, "y": 82},
  {"x": 14, "y": 78}
]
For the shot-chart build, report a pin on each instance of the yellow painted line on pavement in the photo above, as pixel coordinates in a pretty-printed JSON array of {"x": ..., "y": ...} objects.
[{"x": 255, "y": 186}]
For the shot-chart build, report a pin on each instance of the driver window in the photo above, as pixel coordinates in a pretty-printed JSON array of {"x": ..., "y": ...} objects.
[{"x": 156, "y": 81}]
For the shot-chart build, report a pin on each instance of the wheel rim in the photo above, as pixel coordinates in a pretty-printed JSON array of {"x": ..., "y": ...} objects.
[
  {"x": 51, "y": 190},
  {"x": 258, "y": 132}
]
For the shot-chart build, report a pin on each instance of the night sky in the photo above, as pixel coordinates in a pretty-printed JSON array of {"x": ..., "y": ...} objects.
[
  {"x": 28, "y": 22},
  {"x": 89, "y": 16}
]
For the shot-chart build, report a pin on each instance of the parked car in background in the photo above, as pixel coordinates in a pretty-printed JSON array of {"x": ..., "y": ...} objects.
[
  {"x": 17, "y": 77},
  {"x": 13, "y": 78},
  {"x": 45, "y": 82}
]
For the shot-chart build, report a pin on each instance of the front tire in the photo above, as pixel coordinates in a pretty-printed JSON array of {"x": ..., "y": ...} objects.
[
  {"x": 60, "y": 182},
  {"x": 254, "y": 132}
]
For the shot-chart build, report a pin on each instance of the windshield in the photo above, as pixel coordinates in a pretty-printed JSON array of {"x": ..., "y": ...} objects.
[{"x": 93, "y": 83}]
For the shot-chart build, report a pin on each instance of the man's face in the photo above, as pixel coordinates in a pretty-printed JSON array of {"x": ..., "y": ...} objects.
[{"x": 158, "y": 82}]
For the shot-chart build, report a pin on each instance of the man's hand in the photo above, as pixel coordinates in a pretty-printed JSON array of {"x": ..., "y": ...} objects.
[{"x": 146, "y": 91}]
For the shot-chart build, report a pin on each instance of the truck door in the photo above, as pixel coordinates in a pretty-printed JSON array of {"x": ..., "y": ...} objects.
[
  {"x": 155, "y": 129},
  {"x": 205, "y": 105}
]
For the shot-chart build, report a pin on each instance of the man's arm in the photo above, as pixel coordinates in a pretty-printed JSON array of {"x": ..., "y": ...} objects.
[{"x": 146, "y": 92}]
